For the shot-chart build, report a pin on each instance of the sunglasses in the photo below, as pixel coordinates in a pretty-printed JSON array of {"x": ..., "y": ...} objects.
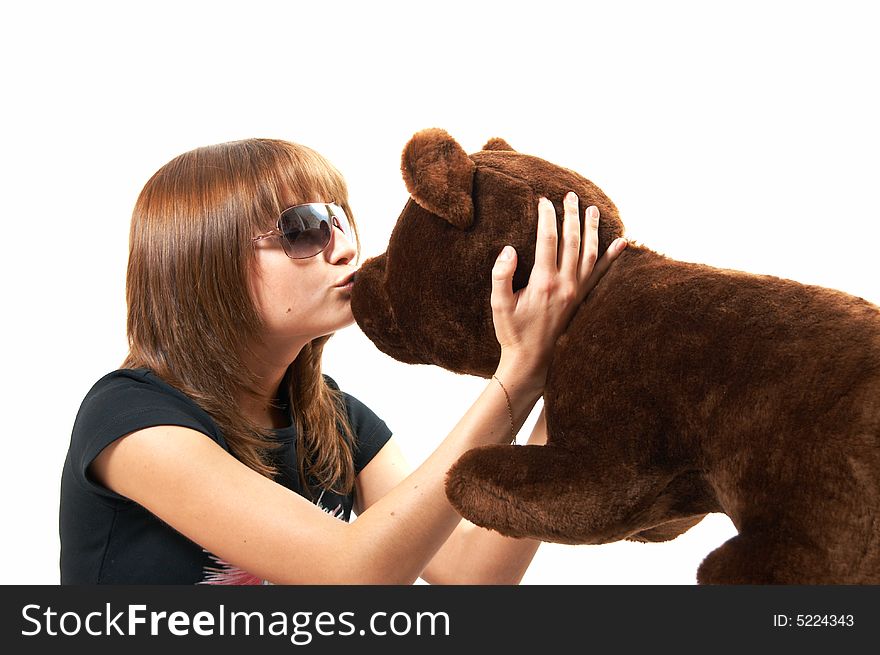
[{"x": 305, "y": 230}]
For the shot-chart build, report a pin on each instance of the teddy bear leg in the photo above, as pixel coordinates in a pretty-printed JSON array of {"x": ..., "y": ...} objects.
[
  {"x": 549, "y": 493},
  {"x": 754, "y": 558}
]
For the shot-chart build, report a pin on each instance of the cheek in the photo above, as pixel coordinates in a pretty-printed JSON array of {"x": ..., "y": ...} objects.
[
  {"x": 273, "y": 290},
  {"x": 286, "y": 296},
  {"x": 278, "y": 296}
]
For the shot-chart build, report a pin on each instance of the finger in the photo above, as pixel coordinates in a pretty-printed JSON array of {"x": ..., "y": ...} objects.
[
  {"x": 590, "y": 250},
  {"x": 570, "y": 247},
  {"x": 617, "y": 246},
  {"x": 502, "y": 281},
  {"x": 545, "y": 244}
]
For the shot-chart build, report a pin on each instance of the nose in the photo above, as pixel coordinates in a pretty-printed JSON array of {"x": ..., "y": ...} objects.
[{"x": 340, "y": 250}]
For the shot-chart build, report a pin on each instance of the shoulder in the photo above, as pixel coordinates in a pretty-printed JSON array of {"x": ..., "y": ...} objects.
[
  {"x": 135, "y": 398},
  {"x": 135, "y": 383},
  {"x": 128, "y": 386},
  {"x": 124, "y": 402}
]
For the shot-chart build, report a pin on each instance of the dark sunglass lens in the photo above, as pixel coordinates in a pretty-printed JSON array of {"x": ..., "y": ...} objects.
[
  {"x": 307, "y": 228},
  {"x": 291, "y": 226},
  {"x": 310, "y": 242}
]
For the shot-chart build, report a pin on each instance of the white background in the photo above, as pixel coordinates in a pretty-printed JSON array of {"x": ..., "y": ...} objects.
[{"x": 743, "y": 135}]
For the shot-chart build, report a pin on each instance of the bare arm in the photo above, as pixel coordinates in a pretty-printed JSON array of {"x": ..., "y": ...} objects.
[
  {"x": 475, "y": 555},
  {"x": 471, "y": 555}
]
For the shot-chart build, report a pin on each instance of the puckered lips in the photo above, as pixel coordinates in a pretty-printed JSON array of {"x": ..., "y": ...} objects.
[{"x": 346, "y": 282}]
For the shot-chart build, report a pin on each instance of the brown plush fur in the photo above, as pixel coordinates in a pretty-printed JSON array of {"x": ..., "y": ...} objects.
[{"x": 677, "y": 390}]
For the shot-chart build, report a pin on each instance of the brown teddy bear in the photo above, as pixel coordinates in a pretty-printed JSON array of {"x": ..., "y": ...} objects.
[{"x": 677, "y": 390}]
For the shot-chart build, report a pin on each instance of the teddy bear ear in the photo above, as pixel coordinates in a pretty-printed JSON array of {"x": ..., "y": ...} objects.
[
  {"x": 497, "y": 143},
  {"x": 440, "y": 176}
]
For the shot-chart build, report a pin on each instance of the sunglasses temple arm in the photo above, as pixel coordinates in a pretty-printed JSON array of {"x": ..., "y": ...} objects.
[{"x": 273, "y": 233}]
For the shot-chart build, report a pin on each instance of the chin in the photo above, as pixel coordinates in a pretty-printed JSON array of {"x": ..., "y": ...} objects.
[
  {"x": 346, "y": 315},
  {"x": 346, "y": 319}
]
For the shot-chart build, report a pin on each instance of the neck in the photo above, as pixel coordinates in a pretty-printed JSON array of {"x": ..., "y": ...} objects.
[{"x": 268, "y": 365}]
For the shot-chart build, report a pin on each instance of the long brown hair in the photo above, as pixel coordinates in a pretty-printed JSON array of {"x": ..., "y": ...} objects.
[{"x": 190, "y": 311}]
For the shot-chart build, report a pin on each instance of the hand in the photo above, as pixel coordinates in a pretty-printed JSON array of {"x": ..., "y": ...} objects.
[{"x": 528, "y": 322}]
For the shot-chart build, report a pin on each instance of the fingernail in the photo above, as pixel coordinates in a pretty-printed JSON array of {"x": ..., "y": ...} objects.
[
  {"x": 572, "y": 196},
  {"x": 506, "y": 254},
  {"x": 594, "y": 213},
  {"x": 542, "y": 199},
  {"x": 621, "y": 244}
]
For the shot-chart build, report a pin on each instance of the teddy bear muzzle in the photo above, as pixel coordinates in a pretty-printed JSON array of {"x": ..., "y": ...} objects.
[{"x": 373, "y": 312}]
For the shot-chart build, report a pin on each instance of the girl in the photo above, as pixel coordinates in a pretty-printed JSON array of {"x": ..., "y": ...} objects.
[{"x": 219, "y": 452}]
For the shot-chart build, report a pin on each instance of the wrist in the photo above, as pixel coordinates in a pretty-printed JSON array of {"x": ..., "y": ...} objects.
[{"x": 521, "y": 376}]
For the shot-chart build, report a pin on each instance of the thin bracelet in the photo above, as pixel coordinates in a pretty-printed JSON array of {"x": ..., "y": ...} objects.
[{"x": 509, "y": 410}]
